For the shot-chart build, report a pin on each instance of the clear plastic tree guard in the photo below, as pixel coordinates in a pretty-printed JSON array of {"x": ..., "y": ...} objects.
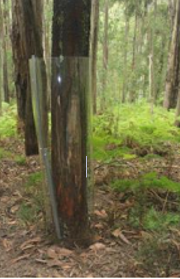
[{"x": 62, "y": 104}]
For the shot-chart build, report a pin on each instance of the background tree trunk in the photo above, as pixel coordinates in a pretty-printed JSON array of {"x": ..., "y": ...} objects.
[
  {"x": 124, "y": 89},
  {"x": 94, "y": 46},
  {"x": 132, "y": 91},
  {"x": 171, "y": 90},
  {"x": 105, "y": 53},
  {"x": 5, "y": 39},
  {"x": 27, "y": 41}
]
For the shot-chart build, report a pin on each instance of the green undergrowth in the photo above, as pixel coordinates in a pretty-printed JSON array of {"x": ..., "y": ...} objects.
[
  {"x": 147, "y": 181},
  {"x": 101, "y": 152},
  {"x": 4, "y": 153},
  {"x": 8, "y": 121},
  {"x": 33, "y": 180},
  {"x": 29, "y": 210},
  {"x": 156, "y": 204},
  {"x": 158, "y": 255},
  {"x": 28, "y": 213},
  {"x": 20, "y": 160},
  {"x": 133, "y": 126}
]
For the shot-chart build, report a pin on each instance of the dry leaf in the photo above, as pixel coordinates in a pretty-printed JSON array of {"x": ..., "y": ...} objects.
[
  {"x": 97, "y": 246},
  {"x": 66, "y": 266},
  {"x": 20, "y": 258},
  {"x": 13, "y": 222},
  {"x": 14, "y": 208},
  {"x": 4, "y": 199},
  {"x": 41, "y": 261},
  {"x": 64, "y": 252},
  {"x": 116, "y": 233},
  {"x": 56, "y": 274},
  {"x": 52, "y": 263},
  {"x": 27, "y": 247},
  {"x": 52, "y": 253},
  {"x": 119, "y": 234},
  {"x": 89, "y": 275},
  {"x": 97, "y": 238},
  {"x": 99, "y": 226},
  {"x": 7, "y": 244},
  {"x": 30, "y": 241},
  {"x": 101, "y": 213}
]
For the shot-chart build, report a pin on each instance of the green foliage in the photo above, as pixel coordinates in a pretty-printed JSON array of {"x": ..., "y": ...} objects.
[
  {"x": 20, "y": 160},
  {"x": 148, "y": 181},
  {"x": 152, "y": 255},
  {"x": 102, "y": 153},
  {"x": 134, "y": 126},
  {"x": 4, "y": 154},
  {"x": 151, "y": 156},
  {"x": 28, "y": 213},
  {"x": 146, "y": 213},
  {"x": 33, "y": 187},
  {"x": 8, "y": 121},
  {"x": 156, "y": 220},
  {"x": 34, "y": 179}
]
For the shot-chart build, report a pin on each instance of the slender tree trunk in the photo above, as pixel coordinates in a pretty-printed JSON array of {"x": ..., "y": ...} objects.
[
  {"x": 94, "y": 46},
  {"x": 105, "y": 53},
  {"x": 124, "y": 90},
  {"x": 172, "y": 11},
  {"x": 69, "y": 113},
  {"x": 171, "y": 92},
  {"x": 152, "y": 82},
  {"x": 132, "y": 92},
  {"x": 177, "y": 120},
  {"x": 5, "y": 66},
  {"x": 161, "y": 67}
]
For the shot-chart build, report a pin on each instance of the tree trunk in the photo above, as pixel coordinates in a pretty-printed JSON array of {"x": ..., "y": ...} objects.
[
  {"x": 94, "y": 46},
  {"x": 132, "y": 96},
  {"x": 5, "y": 67},
  {"x": 47, "y": 26},
  {"x": 71, "y": 32},
  {"x": 1, "y": 62},
  {"x": 171, "y": 90},
  {"x": 27, "y": 41},
  {"x": 19, "y": 59},
  {"x": 177, "y": 120},
  {"x": 124, "y": 89},
  {"x": 105, "y": 53}
]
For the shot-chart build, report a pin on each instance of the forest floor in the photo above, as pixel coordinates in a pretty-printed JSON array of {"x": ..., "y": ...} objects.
[{"x": 120, "y": 249}]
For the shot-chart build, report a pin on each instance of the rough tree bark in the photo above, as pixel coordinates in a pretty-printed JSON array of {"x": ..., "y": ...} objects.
[
  {"x": 71, "y": 32},
  {"x": 27, "y": 41},
  {"x": 171, "y": 89},
  {"x": 1, "y": 43},
  {"x": 20, "y": 64},
  {"x": 94, "y": 46}
]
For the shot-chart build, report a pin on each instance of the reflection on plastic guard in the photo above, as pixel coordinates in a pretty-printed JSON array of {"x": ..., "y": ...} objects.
[{"x": 59, "y": 79}]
